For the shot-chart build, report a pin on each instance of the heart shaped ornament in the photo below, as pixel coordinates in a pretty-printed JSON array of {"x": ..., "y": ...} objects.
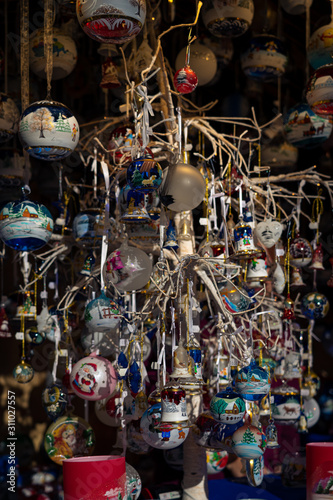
[{"x": 268, "y": 232}]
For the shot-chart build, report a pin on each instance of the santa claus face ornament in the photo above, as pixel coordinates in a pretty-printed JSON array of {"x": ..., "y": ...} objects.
[
  {"x": 93, "y": 378},
  {"x": 185, "y": 80}
]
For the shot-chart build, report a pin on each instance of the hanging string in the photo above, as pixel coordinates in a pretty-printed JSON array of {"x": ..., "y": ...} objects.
[
  {"x": 23, "y": 339},
  {"x": 307, "y": 35},
  {"x": 6, "y": 46},
  {"x": 317, "y": 211},
  {"x": 48, "y": 44}
]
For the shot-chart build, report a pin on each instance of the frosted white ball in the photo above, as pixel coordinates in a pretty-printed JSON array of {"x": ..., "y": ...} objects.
[{"x": 202, "y": 60}]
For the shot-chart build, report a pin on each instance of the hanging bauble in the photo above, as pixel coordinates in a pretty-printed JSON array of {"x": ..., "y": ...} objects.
[
  {"x": 280, "y": 154},
  {"x": 144, "y": 174},
  {"x": 101, "y": 314},
  {"x": 317, "y": 258},
  {"x": 304, "y": 129},
  {"x": 227, "y": 407},
  {"x": 272, "y": 435},
  {"x": 268, "y": 232},
  {"x": 109, "y": 75},
  {"x": 255, "y": 471},
  {"x": 23, "y": 372},
  {"x": 25, "y": 226},
  {"x": 185, "y": 80},
  {"x": 203, "y": 62},
  {"x": 286, "y": 404},
  {"x": 249, "y": 442},
  {"x": 134, "y": 378},
  {"x": 320, "y": 48},
  {"x": 4, "y": 324},
  {"x": 319, "y": 91},
  {"x": 33, "y": 336},
  {"x": 150, "y": 420},
  {"x": 300, "y": 252},
  {"x": 64, "y": 54},
  {"x": 93, "y": 378},
  {"x": 173, "y": 400},
  {"x": 54, "y": 399},
  {"x": 120, "y": 145},
  {"x": 311, "y": 383},
  {"x": 295, "y": 7},
  {"x": 209, "y": 433},
  {"x": 216, "y": 461},
  {"x": 230, "y": 18},
  {"x": 108, "y": 410},
  {"x": 170, "y": 242},
  {"x": 67, "y": 437},
  {"x": 122, "y": 368},
  {"x": 133, "y": 482},
  {"x": 183, "y": 187},
  {"x": 315, "y": 305},
  {"x": 9, "y": 118},
  {"x": 312, "y": 411},
  {"x": 48, "y": 130},
  {"x": 88, "y": 228},
  {"x": 136, "y": 211},
  {"x": 127, "y": 268},
  {"x": 111, "y": 21},
  {"x": 234, "y": 299},
  {"x": 265, "y": 59},
  {"x": 252, "y": 382}
]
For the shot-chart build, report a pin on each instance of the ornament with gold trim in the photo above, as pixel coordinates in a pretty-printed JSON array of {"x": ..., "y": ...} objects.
[
  {"x": 136, "y": 210},
  {"x": 244, "y": 245},
  {"x": 231, "y": 18},
  {"x": 255, "y": 471},
  {"x": 272, "y": 435},
  {"x": 296, "y": 278},
  {"x": 300, "y": 252},
  {"x": 315, "y": 305},
  {"x": 173, "y": 401},
  {"x": 23, "y": 372},
  {"x": 317, "y": 258},
  {"x": 288, "y": 311}
]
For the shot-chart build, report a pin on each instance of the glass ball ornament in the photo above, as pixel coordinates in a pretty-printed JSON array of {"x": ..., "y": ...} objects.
[
  {"x": 54, "y": 400},
  {"x": 156, "y": 438},
  {"x": 286, "y": 406},
  {"x": 320, "y": 49},
  {"x": 133, "y": 482},
  {"x": 111, "y": 21},
  {"x": 127, "y": 268},
  {"x": 23, "y": 372},
  {"x": 304, "y": 128},
  {"x": 230, "y": 18},
  {"x": 33, "y": 336},
  {"x": 63, "y": 50},
  {"x": 312, "y": 411},
  {"x": 185, "y": 80},
  {"x": 233, "y": 299},
  {"x": 25, "y": 225},
  {"x": 93, "y": 378},
  {"x": 252, "y": 382},
  {"x": 9, "y": 118},
  {"x": 48, "y": 130},
  {"x": 203, "y": 62},
  {"x": 216, "y": 461},
  {"x": 265, "y": 59},
  {"x": 101, "y": 314},
  {"x": 249, "y": 442},
  {"x": 88, "y": 228},
  {"x": 315, "y": 305},
  {"x": 300, "y": 252},
  {"x": 183, "y": 187},
  {"x": 295, "y": 7},
  {"x": 144, "y": 174},
  {"x": 319, "y": 91},
  {"x": 255, "y": 471},
  {"x": 227, "y": 407}
]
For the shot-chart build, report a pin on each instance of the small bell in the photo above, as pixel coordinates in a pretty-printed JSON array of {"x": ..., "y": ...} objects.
[
  {"x": 317, "y": 258},
  {"x": 136, "y": 210},
  {"x": 243, "y": 237},
  {"x": 88, "y": 265},
  {"x": 109, "y": 75},
  {"x": 272, "y": 435},
  {"x": 181, "y": 362},
  {"x": 171, "y": 237},
  {"x": 302, "y": 426},
  {"x": 296, "y": 278}
]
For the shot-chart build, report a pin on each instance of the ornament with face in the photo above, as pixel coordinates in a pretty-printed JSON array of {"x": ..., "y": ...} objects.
[
  {"x": 269, "y": 232},
  {"x": 85, "y": 381}
]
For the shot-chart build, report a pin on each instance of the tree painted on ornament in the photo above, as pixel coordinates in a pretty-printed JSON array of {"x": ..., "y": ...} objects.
[
  {"x": 42, "y": 120},
  {"x": 248, "y": 437},
  {"x": 219, "y": 406}
]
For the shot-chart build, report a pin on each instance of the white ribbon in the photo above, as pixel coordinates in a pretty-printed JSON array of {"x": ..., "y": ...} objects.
[
  {"x": 104, "y": 249},
  {"x": 147, "y": 110},
  {"x": 57, "y": 335}
]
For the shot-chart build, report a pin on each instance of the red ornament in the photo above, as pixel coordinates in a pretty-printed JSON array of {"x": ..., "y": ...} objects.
[{"x": 185, "y": 80}]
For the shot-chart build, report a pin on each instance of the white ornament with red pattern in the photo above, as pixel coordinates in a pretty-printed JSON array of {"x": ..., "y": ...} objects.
[{"x": 185, "y": 80}]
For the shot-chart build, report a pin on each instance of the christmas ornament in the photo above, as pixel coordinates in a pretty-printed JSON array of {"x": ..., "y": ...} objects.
[
  {"x": 111, "y": 21},
  {"x": 173, "y": 403},
  {"x": 248, "y": 442},
  {"x": 149, "y": 423},
  {"x": 54, "y": 399},
  {"x": 23, "y": 372},
  {"x": 108, "y": 410},
  {"x": 300, "y": 252},
  {"x": 93, "y": 378},
  {"x": 64, "y": 54},
  {"x": 133, "y": 483},
  {"x": 127, "y": 268},
  {"x": 319, "y": 93},
  {"x": 136, "y": 210},
  {"x": 185, "y": 80},
  {"x": 48, "y": 130},
  {"x": 109, "y": 75},
  {"x": 203, "y": 62},
  {"x": 255, "y": 471},
  {"x": 272, "y": 435},
  {"x": 265, "y": 59},
  {"x": 88, "y": 228},
  {"x": 229, "y": 18},
  {"x": 317, "y": 258},
  {"x": 296, "y": 278},
  {"x": 101, "y": 314},
  {"x": 216, "y": 461},
  {"x": 268, "y": 232},
  {"x": 311, "y": 411},
  {"x": 257, "y": 270},
  {"x": 9, "y": 118},
  {"x": 227, "y": 407},
  {"x": 315, "y": 305},
  {"x": 304, "y": 128},
  {"x": 243, "y": 237},
  {"x": 4, "y": 323},
  {"x": 33, "y": 336},
  {"x": 209, "y": 433},
  {"x": 144, "y": 174},
  {"x": 252, "y": 382},
  {"x": 286, "y": 406}
]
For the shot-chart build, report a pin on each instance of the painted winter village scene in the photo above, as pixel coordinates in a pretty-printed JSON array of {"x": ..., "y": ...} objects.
[{"x": 166, "y": 257}]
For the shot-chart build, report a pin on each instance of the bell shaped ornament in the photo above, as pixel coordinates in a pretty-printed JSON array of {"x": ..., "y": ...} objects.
[
  {"x": 317, "y": 258},
  {"x": 302, "y": 426},
  {"x": 296, "y": 278},
  {"x": 136, "y": 210},
  {"x": 244, "y": 244},
  {"x": 272, "y": 435}
]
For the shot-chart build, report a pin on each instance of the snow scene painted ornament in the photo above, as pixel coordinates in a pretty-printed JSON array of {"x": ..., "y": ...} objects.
[
  {"x": 249, "y": 442},
  {"x": 252, "y": 382},
  {"x": 88, "y": 228},
  {"x": 320, "y": 47},
  {"x": 312, "y": 411},
  {"x": 67, "y": 437},
  {"x": 286, "y": 406},
  {"x": 25, "y": 226},
  {"x": 54, "y": 399},
  {"x": 9, "y": 118},
  {"x": 300, "y": 252},
  {"x": 265, "y": 59},
  {"x": 155, "y": 437},
  {"x": 183, "y": 187},
  {"x": 93, "y": 378},
  {"x": 64, "y": 54},
  {"x": 227, "y": 407},
  {"x": 120, "y": 145},
  {"x": 257, "y": 270},
  {"x": 144, "y": 174},
  {"x": 127, "y": 268},
  {"x": 173, "y": 400},
  {"x": 111, "y": 21},
  {"x": 255, "y": 471},
  {"x": 229, "y": 18},
  {"x": 23, "y": 372},
  {"x": 101, "y": 314},
  {"x": 319, "y": 91},
  {"x": 315, "y": 305},
  {"x": 203, "y": 62},
  {"x": 243, "y": 238},
  {"x": 48, "y": 130},
  {"x": 133, "y": 483},
  {"x": 185, "y": 80},
  {"x": 216, "y": 461},
  {"x": 304, "y": 129}
]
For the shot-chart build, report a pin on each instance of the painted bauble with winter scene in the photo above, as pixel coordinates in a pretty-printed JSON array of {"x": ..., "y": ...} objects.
[
  {"x": 249, "y": 442},
  {"x": 48, "y": 130},
  {"x": 252, "y": 382},
  {"x": 185, "y": 80},
  {"x": 144, "y": 174},
  {"x": 101, "y": 314},
  {"x": 25, "y": 225},
  {"x": 228, "y": 18},
  {"x": 304, "y": 128},
  {"x": 162, "y": 440},
  {"x": 93, "y": 378},
  {"x": 265, "y": 59},
  {"x": 88, "y": 228},
  {"x": 286, "y": 406},
  {"x": 9, "y": 118},
  {"x": 54, "y": 399},
  {"x": 127, "y": 268},
  {"x": 300, "y": 252},
  {"x": 111, "y": 21},
  {"x": 133, "y": 483},
  {"x": 319, "y": 91},
  {"x": 227, "y": 407}
]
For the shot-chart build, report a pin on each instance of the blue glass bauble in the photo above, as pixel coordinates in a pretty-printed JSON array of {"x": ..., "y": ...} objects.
[
  {"x": 315, "y": 305},
  {"x": 252, "y": 382},
  {"x": 304, "y": 129},
  {"x": 227, "y": 406},
  {"x": 144, "y": 174}
]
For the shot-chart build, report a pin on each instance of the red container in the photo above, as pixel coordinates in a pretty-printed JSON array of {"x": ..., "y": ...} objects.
[{"x": 319, "y": 471}]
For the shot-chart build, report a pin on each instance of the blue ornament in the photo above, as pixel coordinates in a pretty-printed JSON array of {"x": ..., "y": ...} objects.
[
  {"x": 315, "y": 305},
  {"x": 144, "y": 174},
  {"x": 227, "y": 407},
  {"x": 265, "y": 59},
  {"x": 122, "y": 366},
  {"x": 54, "y": 399},
  {"x": 33, "y": 336},
  {"x": 134, "y": 378},
  {"x": 252, "y": 382},
  {"x": 304, "y": 129}
]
